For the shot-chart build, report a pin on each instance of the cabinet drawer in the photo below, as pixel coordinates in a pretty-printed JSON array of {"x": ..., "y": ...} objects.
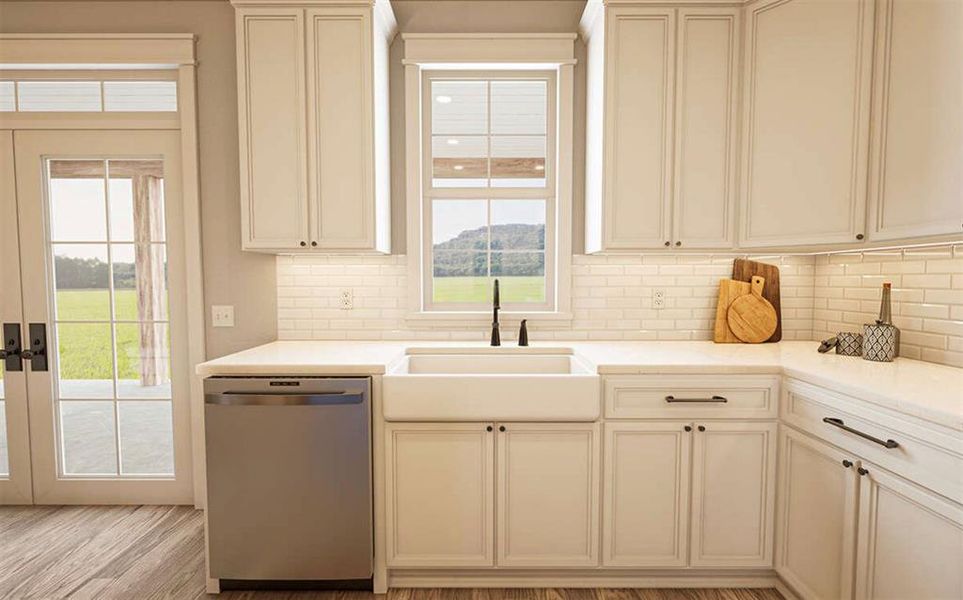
[
  {"x": 691, "y": 397},
  {"x": 926, "y": 456}
]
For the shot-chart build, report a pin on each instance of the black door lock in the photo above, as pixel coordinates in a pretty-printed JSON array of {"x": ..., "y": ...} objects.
[
  {"x": 11, "y": 348},
  {"x": 37, "y": 353}
]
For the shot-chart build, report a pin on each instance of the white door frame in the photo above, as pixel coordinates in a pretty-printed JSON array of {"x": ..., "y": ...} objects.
[{"x": 175, "y": 52}]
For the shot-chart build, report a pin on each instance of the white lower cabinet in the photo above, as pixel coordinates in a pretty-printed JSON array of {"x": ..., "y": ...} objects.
[
  {"x": 547, "y": 494},
  {"x": 817, "y": 517},
  {"x": 910, "y": 540},
  {"x": 733, "y": 494},
  {"x": 648, "y": 520},
  {"x": 441, "y": 499},
  {"x": 440, "y": 494},
  {"x": 646, "y": 494}
]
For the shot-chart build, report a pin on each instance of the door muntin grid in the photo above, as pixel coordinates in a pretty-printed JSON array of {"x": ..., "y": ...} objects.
[{"x": 106, "y": 243}]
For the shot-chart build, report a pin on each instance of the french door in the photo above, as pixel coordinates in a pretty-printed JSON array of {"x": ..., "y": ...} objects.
[{"x": 100, "y": 282}]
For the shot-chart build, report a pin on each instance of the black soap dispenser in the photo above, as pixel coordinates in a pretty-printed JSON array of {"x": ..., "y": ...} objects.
[{"x": 523, "y": 333}]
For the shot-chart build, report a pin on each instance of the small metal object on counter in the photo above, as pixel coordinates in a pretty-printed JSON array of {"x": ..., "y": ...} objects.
[
  {"x": 849, "y": 343},
  {"x": 827, "y": 345},
  {"x": 523, "y": 333},
  {"x": 881, "y": 339}
]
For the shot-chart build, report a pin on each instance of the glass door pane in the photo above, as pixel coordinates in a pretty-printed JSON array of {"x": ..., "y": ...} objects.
[{"x": 109, "y": 262}]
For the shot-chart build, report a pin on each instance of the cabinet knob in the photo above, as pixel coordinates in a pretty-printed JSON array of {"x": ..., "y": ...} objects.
[
  {"x": 859, "y": 236},
  {"x": 702, "y": 427},
  {"x": 303, "y": 244},
  {"x": 688, "y": 427},
  {"x": 678, "y": 243},
  {"x": 668, "y": 244},
  {"x": 862, "y": 471},
  {"x": 489, "y": 428},
  {"x": 501, "y": 428},
  {"x": 314, "y": 244},
  {"x": 847, "y": 463}
]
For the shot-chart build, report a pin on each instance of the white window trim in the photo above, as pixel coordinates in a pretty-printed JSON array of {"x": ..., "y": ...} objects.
[{"x": 426, "y": 52}]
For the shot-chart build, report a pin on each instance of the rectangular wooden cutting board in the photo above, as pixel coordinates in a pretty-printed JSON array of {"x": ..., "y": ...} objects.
[{"x": 743, "y": 270}]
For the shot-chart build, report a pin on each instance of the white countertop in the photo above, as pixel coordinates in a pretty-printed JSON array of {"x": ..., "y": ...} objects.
[{"x": 925, "y": 390}]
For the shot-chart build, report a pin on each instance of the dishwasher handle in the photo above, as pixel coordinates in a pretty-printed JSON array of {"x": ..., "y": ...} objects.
[{"x": 248, "y": 399}]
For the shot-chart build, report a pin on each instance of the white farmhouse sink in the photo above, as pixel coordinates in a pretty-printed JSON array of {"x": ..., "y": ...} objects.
[{"x": 491, "y": 387}]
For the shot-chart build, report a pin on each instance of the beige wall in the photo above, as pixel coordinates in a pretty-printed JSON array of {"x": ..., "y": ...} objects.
[
  {"x": 247, "y": 280},
  {"x": 230, "y": 276}
]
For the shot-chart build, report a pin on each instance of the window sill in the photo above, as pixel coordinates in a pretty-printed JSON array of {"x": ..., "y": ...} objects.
[{"x": 441, "y": 318}]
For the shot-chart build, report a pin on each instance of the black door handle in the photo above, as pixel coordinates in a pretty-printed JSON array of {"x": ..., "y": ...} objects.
[
  {"x": 12, "y": 361},
  {"x": 37, "y": 353}
]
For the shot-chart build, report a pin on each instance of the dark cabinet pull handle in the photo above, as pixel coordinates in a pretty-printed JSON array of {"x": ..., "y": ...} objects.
[
  {"x": 489, "y": 428},
  {"x": 303, "y": 244},
  {"x": 314, "y": 244},
  {"x": 862, "y": 471},
  {"x": 847, "y": 463},
  {"x": 713, "y": 399},
  {"x": 501, "y": 428},
  {"x": 688, "y": 427},
  {"x": 840, "y": 424},
  {"x": 702, "y": 427}
]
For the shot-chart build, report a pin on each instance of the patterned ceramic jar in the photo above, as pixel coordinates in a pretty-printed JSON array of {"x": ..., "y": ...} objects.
[
  {"x": 880, "y": 342},
  {"x": 849, "y": 343}
]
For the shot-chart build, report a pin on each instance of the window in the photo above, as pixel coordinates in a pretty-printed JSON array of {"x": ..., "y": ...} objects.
[
  {"x": 61, "y": 95},
  {"x": 108, "y": 253},
  {"x": 489, "y": 189}
]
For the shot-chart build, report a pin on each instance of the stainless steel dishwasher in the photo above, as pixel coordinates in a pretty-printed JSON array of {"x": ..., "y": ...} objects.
[{"x": 289, "y": 480}]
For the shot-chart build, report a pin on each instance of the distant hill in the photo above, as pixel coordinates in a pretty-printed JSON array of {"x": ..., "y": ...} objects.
[{"x": 474, "y": 264}]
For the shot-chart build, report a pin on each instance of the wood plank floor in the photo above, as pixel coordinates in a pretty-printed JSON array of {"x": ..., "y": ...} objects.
[{"x": 155, "y": 552}]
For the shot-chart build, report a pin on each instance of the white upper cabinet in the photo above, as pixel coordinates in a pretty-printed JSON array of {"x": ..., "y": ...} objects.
[
  {"x": 916, "y": 178},
  {"x": 313, "y": 111},
  {"x": 660, "y": 126},
  {"x": 270, "y": 78},
  {"x": 806, "y": 121},
  {"x": 705, "y": 128}
]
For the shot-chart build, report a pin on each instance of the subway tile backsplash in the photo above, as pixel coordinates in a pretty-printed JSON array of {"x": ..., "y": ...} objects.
[
  {"x": 612, "y": 298},
  {"x": 927, "y": 298}
]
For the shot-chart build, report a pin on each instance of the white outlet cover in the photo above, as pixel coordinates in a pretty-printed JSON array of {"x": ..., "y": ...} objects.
[
  {"x": 222, "y": 315},
  {"x": 346, "y": 299}
]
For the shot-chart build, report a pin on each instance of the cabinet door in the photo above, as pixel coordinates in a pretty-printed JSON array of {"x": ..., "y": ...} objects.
[
  {"x": 548, "y": 494},
  {"x": 733, "y": 484},
  {"x": 640, "y": 73},
  {"x": 916, "y": 183},
  {"x": 646, "y": 485},
  {"x": 806, "y": 121},
  {"x": 705, "y": 108},
  {"x": 341, "y": 184},
  {"x": 816, "y": 521},
  {"x": 270, "y": 80},
  {"x": 439, "y": 494},
  {"x": 910, "y": 540}
]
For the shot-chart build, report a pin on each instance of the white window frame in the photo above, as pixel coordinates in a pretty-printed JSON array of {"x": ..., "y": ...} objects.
[
  {"x": 489, "y": 56},
  {"x": 546, "y": 194}
]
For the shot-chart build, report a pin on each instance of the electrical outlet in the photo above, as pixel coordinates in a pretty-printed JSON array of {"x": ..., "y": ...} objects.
[
  {"x": 346, "y": 299},
  {"x": 222, "y": 315},
  {"x": 658, "y": 299}
]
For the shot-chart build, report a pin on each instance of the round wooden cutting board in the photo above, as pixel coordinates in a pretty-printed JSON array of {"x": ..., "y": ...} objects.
[{"x": 751, "y": 317}]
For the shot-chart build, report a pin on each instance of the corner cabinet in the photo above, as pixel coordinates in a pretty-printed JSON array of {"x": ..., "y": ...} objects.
[
  {"x": 660, "y": 137},
  {"x": 313, "y": 116},
  {"x": 808, "y": 65}
]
